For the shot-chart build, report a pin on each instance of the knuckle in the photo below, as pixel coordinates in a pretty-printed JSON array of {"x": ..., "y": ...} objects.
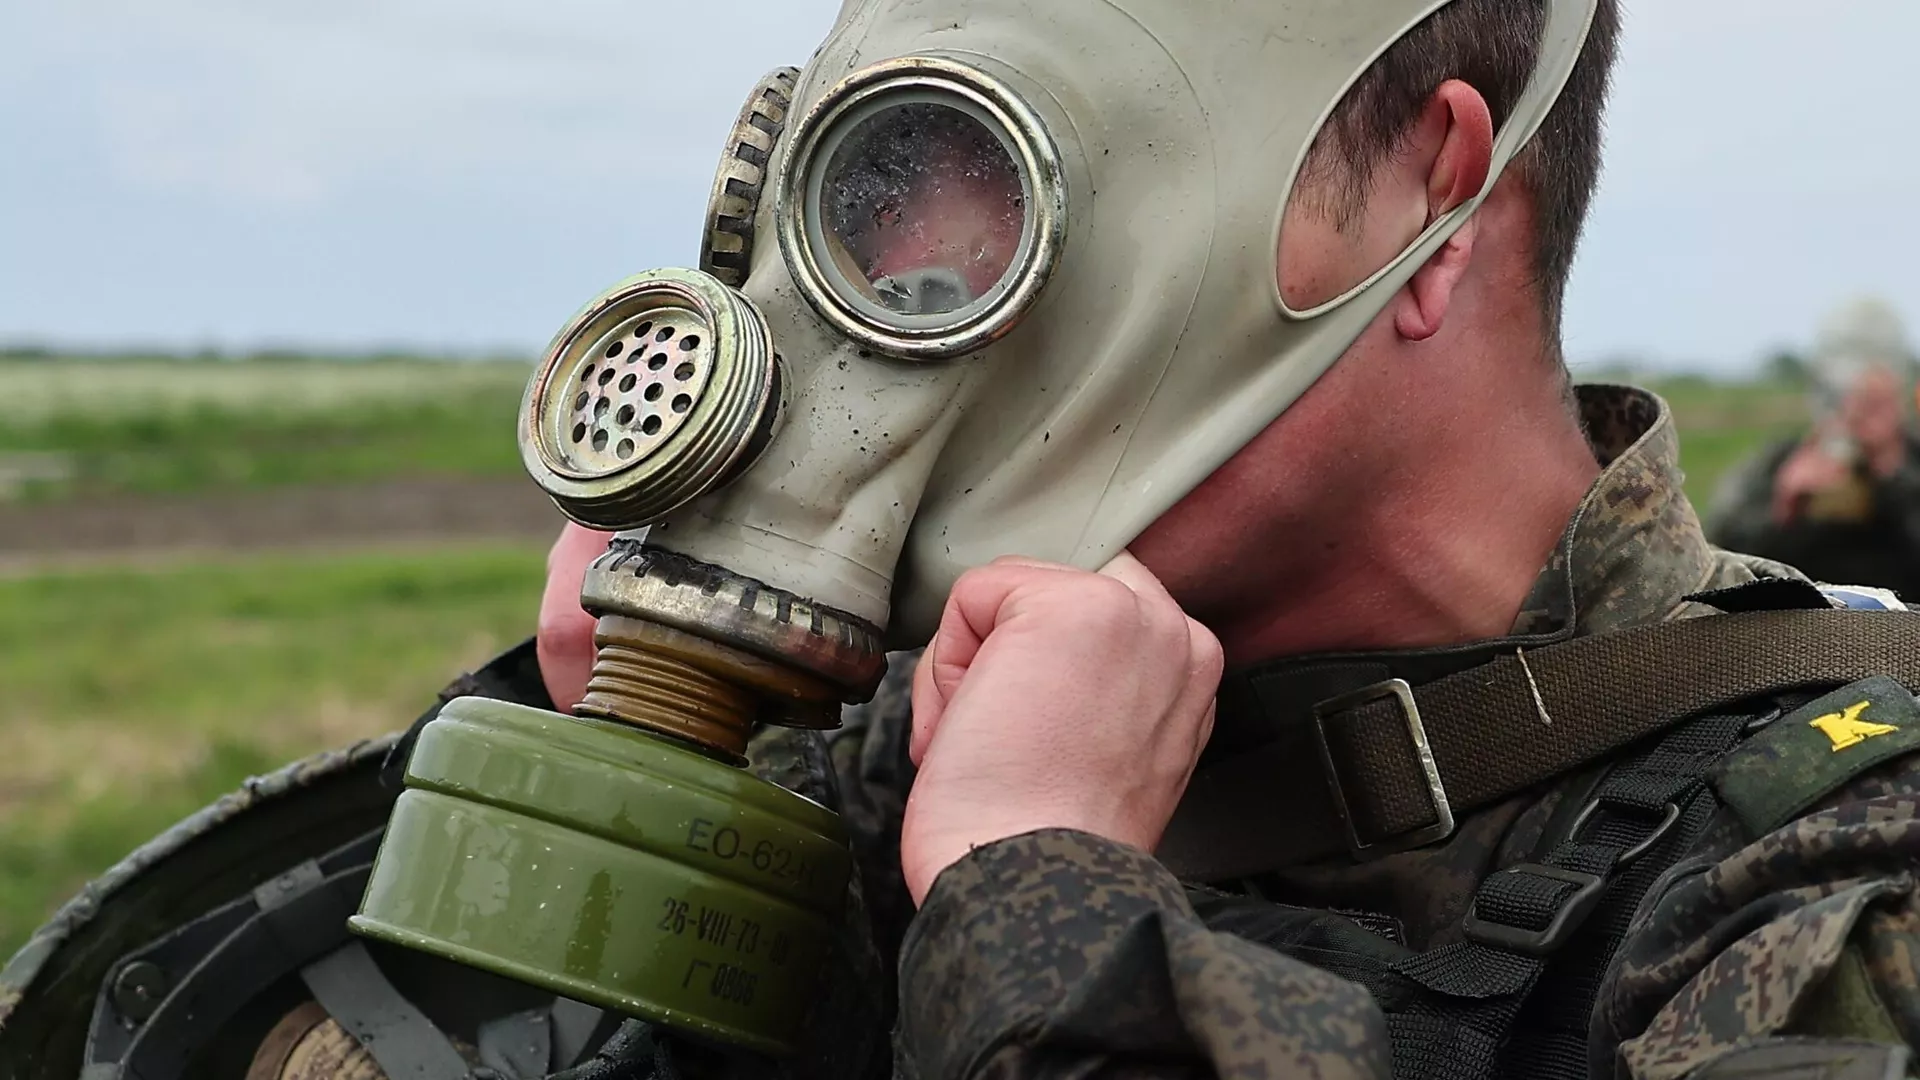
[
  {"x": 1209, "y": 658},
  {"x": 1105, "y": 602},
  {"x": 1163, "y": 621},
  {"x": 971, "y": 581},
  {"x": 980, "y": 583},
  {"x": 1169, "y": 617}
]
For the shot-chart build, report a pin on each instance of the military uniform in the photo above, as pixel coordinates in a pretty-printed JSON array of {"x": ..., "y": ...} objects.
[
  {"x": 1783, "y": 936},
  {"x": 1768, "y": 943},
  {"x": 1870, "y": 536}
]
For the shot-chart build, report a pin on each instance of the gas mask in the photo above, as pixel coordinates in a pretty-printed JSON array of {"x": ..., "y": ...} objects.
[{"x": 989, "y": 277}]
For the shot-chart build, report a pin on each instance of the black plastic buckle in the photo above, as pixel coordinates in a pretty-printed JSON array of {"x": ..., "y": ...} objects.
[
  {"x": 1397, "y": 690},
  {"x": 1574, "y": 910},
  {"x": 1659, "y": 833}
]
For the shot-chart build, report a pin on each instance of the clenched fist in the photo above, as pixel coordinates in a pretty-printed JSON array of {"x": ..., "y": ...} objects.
[{"x": 1054, "y": 698}]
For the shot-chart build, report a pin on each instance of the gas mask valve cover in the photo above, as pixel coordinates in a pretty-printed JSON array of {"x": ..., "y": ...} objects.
[
  {"x": 655, "y": 394},
  {"x": 726, "y": 250}
]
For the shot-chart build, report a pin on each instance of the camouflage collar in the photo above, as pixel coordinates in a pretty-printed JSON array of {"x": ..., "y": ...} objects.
[
  {"x": 1634, "y": 548},
  {"x": 1631, "y": 553}
]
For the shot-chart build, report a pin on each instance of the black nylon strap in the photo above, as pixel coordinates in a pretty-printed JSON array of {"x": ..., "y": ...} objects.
[
  {"x": 518, "y": 1044},
  {"x": 636, "y": 1052},
  {"x": 1551, "y": 1034},
  {"x": 1505, "y": 726},
  {"x": 350, "y": 986},
  {"x": 1484, "y": 1015},
  {"x": 258, "y": 950}
]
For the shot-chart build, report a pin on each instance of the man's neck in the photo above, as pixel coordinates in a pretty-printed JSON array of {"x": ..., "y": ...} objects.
[{"x": 1445, "y": 557}]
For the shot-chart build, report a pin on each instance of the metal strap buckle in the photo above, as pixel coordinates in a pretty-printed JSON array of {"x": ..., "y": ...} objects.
[
  {"x": 1397, "y": 690},
  {"x": 1573, "y": 911}
]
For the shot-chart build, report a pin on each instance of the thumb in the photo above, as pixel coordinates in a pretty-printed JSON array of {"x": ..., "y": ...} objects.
[
  {"x": 930, "y": 698},
  {"x": 936, "y": 679},
  {"x": 973, "y": 609}
]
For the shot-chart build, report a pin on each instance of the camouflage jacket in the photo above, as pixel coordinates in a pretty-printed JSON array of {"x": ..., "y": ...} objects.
[
  {"x": 1060, "y": 954},
  {"x": 1871, "y": 536}
]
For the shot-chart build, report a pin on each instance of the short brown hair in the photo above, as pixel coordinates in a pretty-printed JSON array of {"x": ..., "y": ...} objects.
[{"x": 1493, "y": 46}]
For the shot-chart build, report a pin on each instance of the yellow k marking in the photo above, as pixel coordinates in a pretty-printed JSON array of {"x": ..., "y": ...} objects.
[{"x": 1846, "y": 729}]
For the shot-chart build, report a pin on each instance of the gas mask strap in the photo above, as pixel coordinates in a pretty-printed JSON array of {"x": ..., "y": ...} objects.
[{"x": 1561, "y": 41}]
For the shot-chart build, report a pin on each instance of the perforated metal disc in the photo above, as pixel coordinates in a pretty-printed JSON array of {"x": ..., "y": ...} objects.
[
  {"x": 634, "y": 392},
  {"x": 653, "y": 395}
]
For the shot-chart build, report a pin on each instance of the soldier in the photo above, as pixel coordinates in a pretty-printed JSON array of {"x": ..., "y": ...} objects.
[
  {"x": 1841, "y": 502},
  {"x": 1509, "y": 772},
  {"x": 1430, "y": 504}
]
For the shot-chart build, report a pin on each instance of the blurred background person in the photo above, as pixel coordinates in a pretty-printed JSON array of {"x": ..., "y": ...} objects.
[{"x": 1842, "y": 500}]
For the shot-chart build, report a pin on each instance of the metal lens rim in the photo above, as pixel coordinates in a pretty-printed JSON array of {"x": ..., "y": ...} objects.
[
  {"x": 923, "y": 80},
  {"x": 835, "y": 137},
  {"x": 582, "y": 338}
]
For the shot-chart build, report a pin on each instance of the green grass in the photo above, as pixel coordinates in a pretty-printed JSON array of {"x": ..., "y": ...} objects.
[
  {"x": 107, "y": 388},
  {"x": 134, "y": 697},
  {"x": 88, "y": 427},
  {"x": 85, "y": 428},
  {"x": 1722, "y": 423}
]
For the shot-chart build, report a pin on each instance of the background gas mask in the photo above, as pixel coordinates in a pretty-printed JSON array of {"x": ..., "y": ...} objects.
[{"x": 989, "y": 277}]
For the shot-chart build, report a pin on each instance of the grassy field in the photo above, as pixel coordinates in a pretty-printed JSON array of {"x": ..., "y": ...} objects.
[
  {"x": 74, "y": 429},
  {"x": 134, "y": 695},
  {"x": 1721, "y": 423},
  {"x": 83, "y": 429}
]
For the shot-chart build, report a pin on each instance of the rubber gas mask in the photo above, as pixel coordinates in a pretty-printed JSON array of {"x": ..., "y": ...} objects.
[{"x": 989, "y": 277}]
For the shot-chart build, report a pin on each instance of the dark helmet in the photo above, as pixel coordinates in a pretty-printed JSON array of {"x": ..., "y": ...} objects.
[{"x": 220, "y": 949}]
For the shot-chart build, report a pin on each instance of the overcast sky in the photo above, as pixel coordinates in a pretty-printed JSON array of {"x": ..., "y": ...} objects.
[{"x": 461, "y": 174}]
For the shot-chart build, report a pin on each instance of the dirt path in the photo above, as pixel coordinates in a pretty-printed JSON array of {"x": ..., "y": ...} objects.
[{"x": 402, "y": 512}]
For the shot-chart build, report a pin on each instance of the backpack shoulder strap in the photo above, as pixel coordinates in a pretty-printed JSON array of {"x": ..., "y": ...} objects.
[{"x": 1389, "y": 766}]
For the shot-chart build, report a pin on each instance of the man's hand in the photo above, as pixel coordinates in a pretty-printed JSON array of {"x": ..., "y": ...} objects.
[
  {"x": 565, "y": 642},
  {"x": 1811, "y": 469},
  {"x": 1054, "y": 698}
]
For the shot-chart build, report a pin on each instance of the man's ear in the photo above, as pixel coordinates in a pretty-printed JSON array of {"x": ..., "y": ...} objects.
[{"x": 1454, "y": 139}]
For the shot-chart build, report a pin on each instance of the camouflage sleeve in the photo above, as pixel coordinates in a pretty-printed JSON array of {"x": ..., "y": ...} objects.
[
  {"x": 875, "y": 774},
  {"x": 1059, "y": 954},
  {"x": 1796, "y": 954}
]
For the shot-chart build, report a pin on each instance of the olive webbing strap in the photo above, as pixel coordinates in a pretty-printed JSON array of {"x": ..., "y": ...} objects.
[{"x": 1358, "y": 778}]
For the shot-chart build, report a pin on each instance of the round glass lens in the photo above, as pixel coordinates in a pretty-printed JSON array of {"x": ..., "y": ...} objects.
[{"x": 922, "y": 209}]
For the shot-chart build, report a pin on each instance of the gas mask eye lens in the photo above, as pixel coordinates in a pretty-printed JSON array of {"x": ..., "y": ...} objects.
[{"x": 923, "y": 207}]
